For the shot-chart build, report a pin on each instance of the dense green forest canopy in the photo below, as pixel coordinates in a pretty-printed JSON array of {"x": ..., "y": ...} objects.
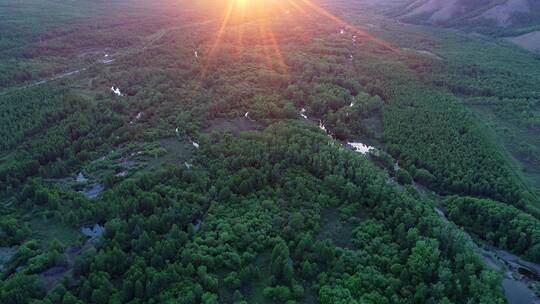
[
  {"x": 201, "y": 152},
  {"x": 500, "y": 224}
]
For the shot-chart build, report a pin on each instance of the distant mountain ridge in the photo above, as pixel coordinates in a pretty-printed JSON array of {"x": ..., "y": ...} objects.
[{"x": 493, "y": 17}]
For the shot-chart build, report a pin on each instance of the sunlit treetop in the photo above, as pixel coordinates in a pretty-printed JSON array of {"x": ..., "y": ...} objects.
[{"x": 262, "y": 13}]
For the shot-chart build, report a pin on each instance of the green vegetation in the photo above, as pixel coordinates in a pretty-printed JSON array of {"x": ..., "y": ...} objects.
[
  {"x": 501, "y": 225},
  {"x": 27, "y": 47},
  {"x": 509, "y": 108},
  {"x": 251, "y": 210},
  {"x": 59, "y": 133},
  {"x": 425, "y": 119},
  {"x": 208, "y": 179}
]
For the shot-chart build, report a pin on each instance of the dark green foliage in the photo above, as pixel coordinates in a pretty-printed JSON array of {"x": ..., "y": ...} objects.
[
  {"x": 12, "y": 232},
  {"x": 243, "y": 219},
  {"x": 21, "y": 289},
  {"x": 150, "y": 240},
  {"x": 51, "y": 142},
  {"x": 281, "y": 264},
  {"x": 403, "y": 177},
  {"x": 429, "y": 137},
  {"x": 501, "y": 225},
  {"x": 424, "y": 177}
]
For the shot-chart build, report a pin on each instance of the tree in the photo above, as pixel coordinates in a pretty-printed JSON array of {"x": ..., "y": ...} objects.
[
  {"x": 21, "y": 289},
  {"x": 281, "y": 263},
  {"x": 424, "y": 261},
  {"x": 209, "y": 298},
  {"x": 403, "y": 177}
]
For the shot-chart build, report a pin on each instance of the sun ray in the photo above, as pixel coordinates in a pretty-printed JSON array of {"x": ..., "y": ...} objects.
[
  {"x": 240, "y": 15},
  {"x": 277, "y": 50},
  {"x": 296, "y": 6},
  {"x": 359, "y": 32},
  {"x": 240, "y": 40},
  {"x": 263, "y": 37},
  {"x": 219, "y": 36}
]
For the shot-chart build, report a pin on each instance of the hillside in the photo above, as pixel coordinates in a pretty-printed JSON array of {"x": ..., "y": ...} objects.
[{"x": 493, "y": 17}]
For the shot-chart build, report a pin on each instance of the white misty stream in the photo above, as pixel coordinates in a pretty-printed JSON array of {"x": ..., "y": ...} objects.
[
  {"x": 323, "y": 127},
  {"x": 6, "y": 254},
  {"x": 94, "y": 191},
  {"x": 514, "y": 283},
  {"x": 139, "y": 116},
  {"x": 93, "y": 232},
  {"x": 357, "y": 146},
  {"x": 116, "y": 91},
  {"x": 197, "y": 225},
  {"x": 361, "y": 147},
  {"x": 81, "y": 178},
  {"x": 303, "y": 113}
]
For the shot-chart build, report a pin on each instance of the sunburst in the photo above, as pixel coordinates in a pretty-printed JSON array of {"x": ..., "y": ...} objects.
[{"x": 244, "y": 13}]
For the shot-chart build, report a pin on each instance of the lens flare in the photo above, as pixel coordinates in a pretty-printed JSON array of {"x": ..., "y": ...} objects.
[{"x": 245, "y": 15}]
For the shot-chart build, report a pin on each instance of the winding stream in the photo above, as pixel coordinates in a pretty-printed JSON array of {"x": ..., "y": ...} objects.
[
  {"x": 93, "y": 191},
  {"x": 93, "y": 231},
  {"x": 361, "y": 147},
  {"x": 518, "y": 274}
]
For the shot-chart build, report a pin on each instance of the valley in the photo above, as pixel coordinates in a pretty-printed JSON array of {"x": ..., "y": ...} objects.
[{"x": 267, "y": 152}]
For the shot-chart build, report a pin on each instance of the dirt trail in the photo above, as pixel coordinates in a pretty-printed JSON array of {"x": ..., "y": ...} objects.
[{"x": 129, "y": 51}]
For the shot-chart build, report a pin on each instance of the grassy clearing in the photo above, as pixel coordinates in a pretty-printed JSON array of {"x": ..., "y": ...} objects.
[
  {"x": 254, "y": 292},
  {"x": 47, "y": 230},
  {"x": 508, "y": 135},
  {"x": 337, "y": 230},
  {"x": 175, "y": 152},
  {"x": 234, "y": 125}
]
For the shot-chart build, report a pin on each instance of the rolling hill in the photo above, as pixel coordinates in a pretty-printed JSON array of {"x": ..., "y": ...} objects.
[{"x": 492, "y": 17}]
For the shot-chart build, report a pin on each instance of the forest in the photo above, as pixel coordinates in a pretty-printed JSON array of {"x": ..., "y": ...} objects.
[
  {"x": 249, "y": 232},
  {"x": 166, "y": 153},
  {"x": 502, "y": 225}
]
